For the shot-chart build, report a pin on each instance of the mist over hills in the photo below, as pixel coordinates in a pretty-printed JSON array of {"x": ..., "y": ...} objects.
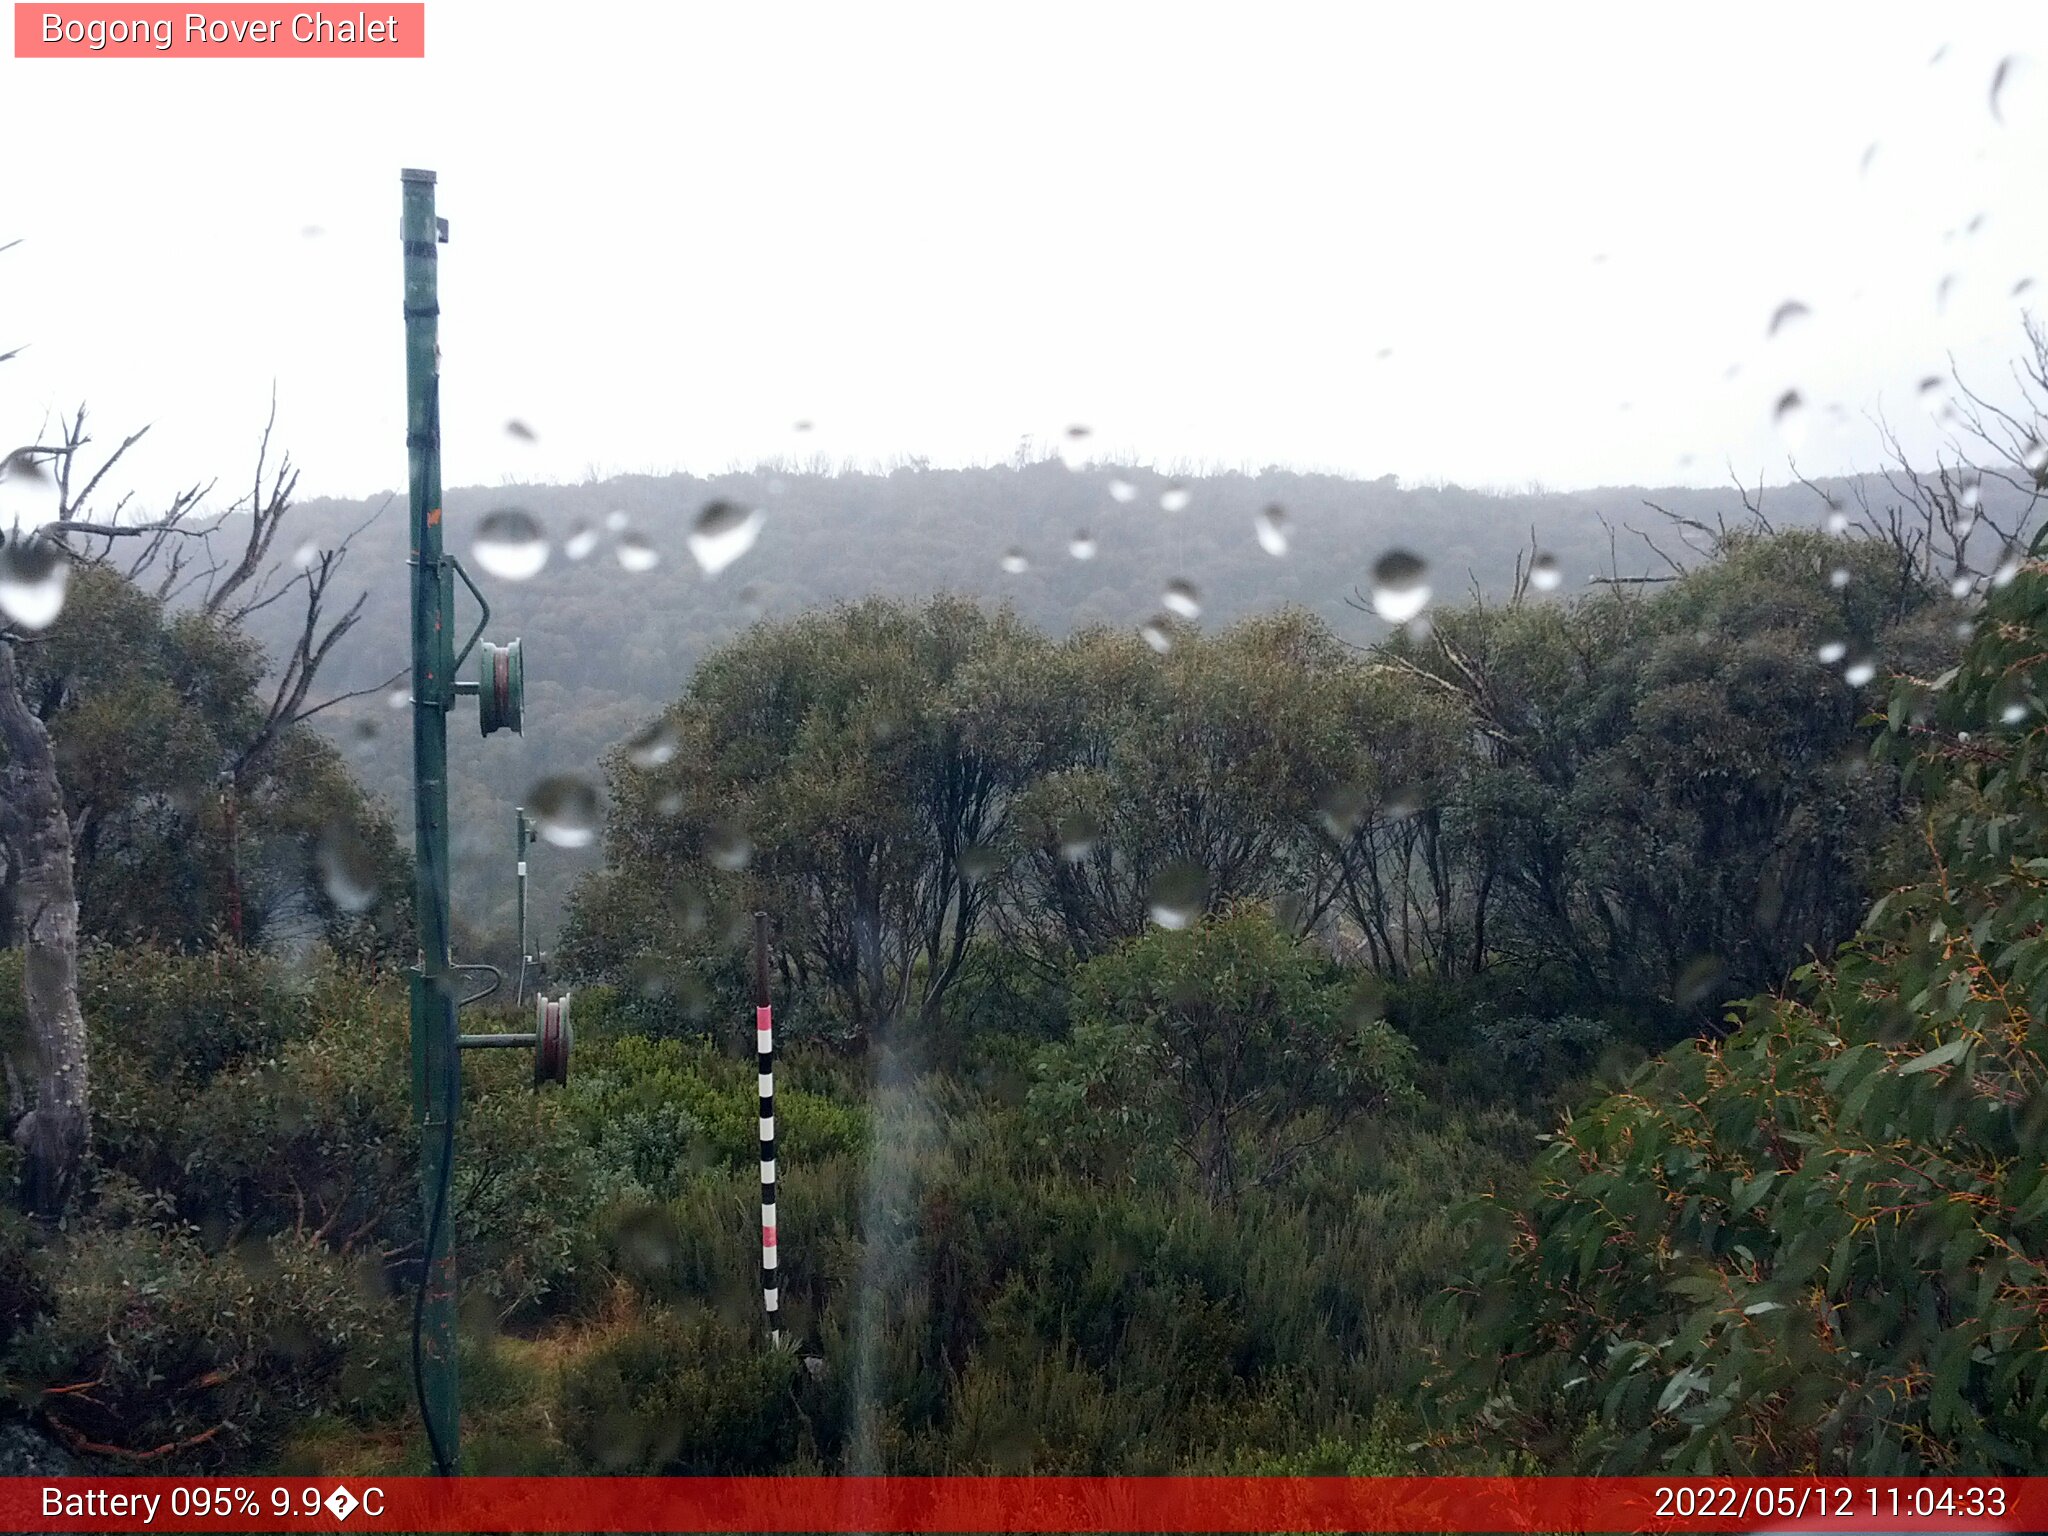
[{"x": 606, "y": 647}]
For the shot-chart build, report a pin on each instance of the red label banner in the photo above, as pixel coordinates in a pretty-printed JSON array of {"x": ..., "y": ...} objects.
[
  {"x": 1023, "y": 1504},
  {"x": 226, "y": 31}
]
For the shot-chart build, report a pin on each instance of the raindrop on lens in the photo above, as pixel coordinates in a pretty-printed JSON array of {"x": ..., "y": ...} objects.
[
  {"x": 2008, "y": 569},
  {"x": 1015, "y": 562},
  {"x": 1933, "y": 392},
  {"x": 1077, "y": 834},
  {"x": 2035, "y": 457},
  {"x": 1838, "y": 578},
  {"x": 1181, "y": 598},
  {"x": 1544, "y": 575},
  {"x": 1271, "y": 527},
  {"x": 636, "y": 554},
  {"x": 1832, "y": 651},
  {"x": 564, "y": 809},
  {"x": 1400, "y": 586},
  {"x": 581, "y": 543},
  {"x": 1158, "y": 633},
  {"x": 1122, "y": 490},
  {"x": 724, "y": 531},
  {"x": 29, "y": 495},
  {"x": 726, "y": 846},
  {"x": 1787, "y": 315},
  {"x": 348, "y": 871},
  {"x": 1175, "y": 498},
  {"x": 2005, "y": 79},
  {"x": 33, "y": 577},
  {"x": 1838, "y": 521},
  {"x": 653, "y": 746},
  {"x": 1970, "y": 494},
  {"x": 1178, "y": 894},
  {"x": 977, "y": 862},
  {"x": 1074, "y": 447},
  {"x": 519, "y": 430},
  {"x": 1789, "y": 416},
  {"x": 1859, "y": 672},
  {"x": 615, "y": 521},
  {"x": 304, "y": 556},
  {"x": 510, "y": 545},
  {"x": 1081, "y": 546}
]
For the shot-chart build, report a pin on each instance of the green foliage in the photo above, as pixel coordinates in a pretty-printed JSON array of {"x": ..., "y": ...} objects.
[
  {"x": 152, "y": 713},
  {"x": 151, "y": 1342},
  {"x": 656, "y": 1112},
  {"x": 1226, "y": 1048},
  {"x": 1818, "y": 1244},
  {"x": 682, "y": 1392}
]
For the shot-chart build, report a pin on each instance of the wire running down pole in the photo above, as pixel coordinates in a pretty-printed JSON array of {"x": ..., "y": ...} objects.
[
  {"x": 436, "y": 1063},
  {"x": 764, "y": 1054}
]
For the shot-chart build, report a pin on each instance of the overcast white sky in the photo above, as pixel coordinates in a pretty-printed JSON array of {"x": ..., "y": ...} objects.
[{"x": 677, "y": 229}]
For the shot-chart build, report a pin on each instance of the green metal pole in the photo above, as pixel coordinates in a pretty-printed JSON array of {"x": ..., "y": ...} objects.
[{"x": 435, "y": 1056}]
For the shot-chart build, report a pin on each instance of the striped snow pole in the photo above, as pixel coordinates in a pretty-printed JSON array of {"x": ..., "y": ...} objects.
[{"x": 764, "y": 1053}]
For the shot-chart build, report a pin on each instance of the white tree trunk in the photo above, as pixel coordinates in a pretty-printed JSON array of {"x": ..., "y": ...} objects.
[{"x": 53, "y": 1134}]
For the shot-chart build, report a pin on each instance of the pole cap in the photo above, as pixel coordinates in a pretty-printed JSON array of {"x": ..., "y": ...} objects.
[{"x": 425, "y": 176}]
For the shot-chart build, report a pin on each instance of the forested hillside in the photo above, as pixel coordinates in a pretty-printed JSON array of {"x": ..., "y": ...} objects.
[{"x": 607, "y": 647}]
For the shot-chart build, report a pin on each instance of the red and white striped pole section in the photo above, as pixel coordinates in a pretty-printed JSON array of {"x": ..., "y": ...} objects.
[{"x": 764, "y": 1053}]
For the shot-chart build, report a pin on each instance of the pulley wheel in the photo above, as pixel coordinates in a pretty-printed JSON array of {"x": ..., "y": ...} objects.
[
  {"x": 500, "y": 687},
  {"x": 551, "y": 1040}
]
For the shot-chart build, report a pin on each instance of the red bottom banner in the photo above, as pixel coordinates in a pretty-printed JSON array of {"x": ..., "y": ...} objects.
[{"x": 1037, "y": 1504}]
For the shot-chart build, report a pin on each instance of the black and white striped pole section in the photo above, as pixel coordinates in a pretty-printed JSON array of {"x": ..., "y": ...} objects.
[{"x": 764, "y": 1053}]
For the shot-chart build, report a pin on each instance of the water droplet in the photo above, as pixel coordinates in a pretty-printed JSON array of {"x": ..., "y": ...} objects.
[
  {"x": 1158, "y": 633},
  {"x": 1181, "y": 597},
  {"x": 1933, "y": 392},
  {"x": 397, "y": 698},
  {"x": 727, "y": 846},
  {"x": 1081, "y": 546},
  {"x": 1859, "y": 671},
  {"x": 2011, "y": 76},
  {"x": 1832, "y": 651},
  {"x": 1015, "y": 561},
  {"x": 1976, "y": 223},
  {"x": 1343, "y": 807},
  {"x": 978, "y": 861},
  {"x": 564, "y": 807},
  {"x": 1965, "y": 628},
  {"x": 1869, "y": 154},
  {"x": 1077, "y": 834},
  {"x": 581, "y": 543},
  {"x": 518, "y": 429},
  {"x": 1175, "y": 498},
  {"x": 366, "y": 728},
  {"x": 33, "y": 576},
  {"x": 1400, "y": 586},
  {"x": 724, "y": 531},
  {"x": 750, "y": 601},
  {"x": 636, "y": 554},
  {"x": 348, "y": 870},
  {"x": 1367, "y": 1003},
  {"x": 2035, "y": 457},
  {"x": 1838, "y": 578},
  {"x": 304, "y": 556},
  {"x": 2008, "y": 569},
  {"x": 1970, "y": 491},
  {"x": 2022, "y": 286},
  {"x": 800, "y": 426},
  {"x": 615, "y": 521},
  {"x": 670, "y": 804},
  {"x": 1943, "y": 289},
  {"x": 1271, "y": 527},
  {"x": 1838, "y": 522},
  {"x": 1178, "y": 895},
  {"x": 1959, "y": 586},
  {"x": 510, "y": 545},
  {"x": 1544, "y": 574},
  {"x": 1789, "y": 416},
  {"x": 1787, "y": 315},
  {"x": 1699, "y": 980},
  {"x": 1122, "y": 490},
  {"x": 1074, "y": 447},
  {"x": 2013, "y": 713},
  {"x": 653, "y": 745},
  {"x": 29, "y": 495}
]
